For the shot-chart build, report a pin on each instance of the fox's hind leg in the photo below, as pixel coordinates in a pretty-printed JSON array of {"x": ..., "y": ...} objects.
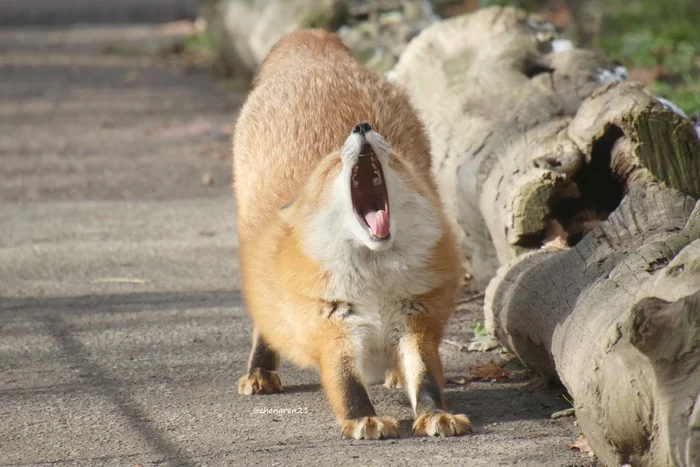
[{"x": 261, "y": 377}]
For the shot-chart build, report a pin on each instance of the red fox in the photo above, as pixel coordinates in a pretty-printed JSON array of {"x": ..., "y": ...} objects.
[{"x": 347, "y": 260}]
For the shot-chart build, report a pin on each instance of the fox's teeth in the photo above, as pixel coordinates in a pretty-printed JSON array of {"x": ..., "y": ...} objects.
[
  {"x": 355, "y": 184},
  {"x": 377, "y": 181}
]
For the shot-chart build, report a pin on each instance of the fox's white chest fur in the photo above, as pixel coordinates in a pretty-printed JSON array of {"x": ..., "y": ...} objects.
[{"x": 377, "y": 284}]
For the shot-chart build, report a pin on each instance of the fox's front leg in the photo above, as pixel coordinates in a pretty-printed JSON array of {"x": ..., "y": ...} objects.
[
  {"x": 345, "y": 387},
  {"x": 422, "y": 369},
  {"x": 261, "y": 377}
]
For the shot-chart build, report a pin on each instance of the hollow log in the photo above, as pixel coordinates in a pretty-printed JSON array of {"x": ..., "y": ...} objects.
[
  {"x": 522, "y": 133},
  {"x": 582, "y": 188}
]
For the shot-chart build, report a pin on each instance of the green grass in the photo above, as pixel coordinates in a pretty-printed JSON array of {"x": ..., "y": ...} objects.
[
  {"x": 685, "y": 95},
  {"x": 480, "y": 331},
  {"x": 664, "y": 36},
  {"x": 568, "y": 399},
  {"x": 198, "y": 41}
]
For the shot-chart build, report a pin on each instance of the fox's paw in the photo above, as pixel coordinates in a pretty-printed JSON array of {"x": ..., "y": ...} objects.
[
  {"x": 394, "y": 380},
  {"x": 440, "y": 423},
  {"x": 259, "y": 381},
  {"x": 369, "y": 428}
]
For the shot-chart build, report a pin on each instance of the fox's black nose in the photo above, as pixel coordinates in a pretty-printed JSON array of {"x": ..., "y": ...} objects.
[{"x": 362, "y": 128}]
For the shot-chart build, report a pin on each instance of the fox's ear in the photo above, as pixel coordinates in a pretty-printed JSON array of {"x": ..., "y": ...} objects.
[{"x": 286, "y": 213}]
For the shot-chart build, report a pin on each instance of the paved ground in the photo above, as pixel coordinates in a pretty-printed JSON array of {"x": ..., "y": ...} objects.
[
  {"x": 122, "y": 330},
  {"x": 62, "y": 12}
]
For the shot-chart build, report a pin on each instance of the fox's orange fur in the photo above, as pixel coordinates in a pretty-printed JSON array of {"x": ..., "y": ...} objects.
[{"x": 316, "y": 294}]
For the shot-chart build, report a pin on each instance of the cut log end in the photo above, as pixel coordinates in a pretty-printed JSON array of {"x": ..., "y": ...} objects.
[
  {"x": 652, "y": 320},
  {"x": 665, "y": 326},
  {"x": 615, "y": 148},
  {"x": 561, "y": 208},
  {"x": 665, "y": 331}
]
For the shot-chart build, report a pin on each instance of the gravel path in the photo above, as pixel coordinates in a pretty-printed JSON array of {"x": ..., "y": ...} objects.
[{"x": 122, "y": 330}]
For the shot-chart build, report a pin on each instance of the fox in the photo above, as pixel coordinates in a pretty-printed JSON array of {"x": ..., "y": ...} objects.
[{"x": 348, "y": 262}]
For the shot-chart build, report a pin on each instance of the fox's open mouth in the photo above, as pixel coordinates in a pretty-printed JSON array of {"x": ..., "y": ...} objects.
[{"x": 368, "y": 192}]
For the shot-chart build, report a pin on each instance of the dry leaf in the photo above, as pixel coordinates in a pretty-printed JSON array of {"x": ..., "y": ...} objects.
[
  {"x": 207, "y": 179},
  {"x": 556, "y": 237},
  {"x": 488, "y": 371},
  {"x": 450, "y": 9},
  {"x": 582, "y": 445},
  {"x": 558, "y": 243}
]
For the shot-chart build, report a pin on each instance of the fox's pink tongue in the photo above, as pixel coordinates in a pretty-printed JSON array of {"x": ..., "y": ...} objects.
[{"x": 378, "y": 222}]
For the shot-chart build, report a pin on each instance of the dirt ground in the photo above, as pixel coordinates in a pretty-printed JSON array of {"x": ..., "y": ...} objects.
[{"x": 122, "y": 331}]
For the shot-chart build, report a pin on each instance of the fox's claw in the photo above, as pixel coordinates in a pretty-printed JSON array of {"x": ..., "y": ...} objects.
[{"x": 259, "y": 381}]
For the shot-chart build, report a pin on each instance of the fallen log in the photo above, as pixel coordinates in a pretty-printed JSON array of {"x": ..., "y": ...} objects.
[
  {"x": 617, "y": 319},
  {"x": 522, "y": 133},
  {"x": 581, "y": 187}
]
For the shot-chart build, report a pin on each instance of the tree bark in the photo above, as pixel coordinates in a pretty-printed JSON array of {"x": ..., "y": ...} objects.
[
  {"x": 617, "y": 319},
  {"x": 581, "y": 187}
]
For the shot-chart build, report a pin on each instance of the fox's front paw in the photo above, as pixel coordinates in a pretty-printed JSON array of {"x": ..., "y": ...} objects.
[
  {"x": 259, "y": 381},
  {"x": 439, "y": 423},
  {"x": 370, "y": 428}
]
